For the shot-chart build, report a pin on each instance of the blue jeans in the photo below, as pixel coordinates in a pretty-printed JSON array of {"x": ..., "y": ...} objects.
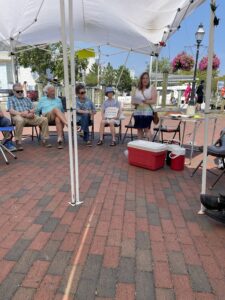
[
  {"x": 5, "y": 122},
  {"x": 85, "y": 122}
]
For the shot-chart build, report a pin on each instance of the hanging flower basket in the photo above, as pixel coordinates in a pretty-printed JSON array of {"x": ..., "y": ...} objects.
[
  {"x": 204, "y": 63},
  {"x": 183, "y": 61}
]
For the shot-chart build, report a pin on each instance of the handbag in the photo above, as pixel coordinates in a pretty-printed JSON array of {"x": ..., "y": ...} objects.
[{"x": 155, "y": 114}]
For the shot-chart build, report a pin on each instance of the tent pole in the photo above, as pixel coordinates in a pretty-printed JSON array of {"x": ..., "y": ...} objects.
[
  {"x": 74, "y": 115},
  {"x": 67, "y": 94},
  {"x": 207, "y": 102},
  {"x": 150, "y": 70},
  {"x": 156, "y": 78},
  {"x": 13, "y": 61},
  {"x": 121, "y": 73}
]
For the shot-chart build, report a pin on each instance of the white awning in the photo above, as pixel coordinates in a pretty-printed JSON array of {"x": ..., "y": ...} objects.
[{"x": 127, "y": 24}]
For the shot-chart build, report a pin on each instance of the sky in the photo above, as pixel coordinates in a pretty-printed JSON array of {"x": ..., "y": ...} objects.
[{"x": 182, "y": 40}]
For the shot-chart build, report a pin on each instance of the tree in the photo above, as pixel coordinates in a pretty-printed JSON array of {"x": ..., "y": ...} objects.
[
  {"x": 125, "y": 82},
  {"x": 50, "y": 57},
  {"x": 92, "y": 77},
  {"x": 163, "y": 64},
  {"x": 108, "y": 76}
]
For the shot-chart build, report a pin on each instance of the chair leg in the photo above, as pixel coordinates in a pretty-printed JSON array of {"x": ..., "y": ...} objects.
[
  {"x": 37, "y": 133},
  {"x": 196, "y": 169},
  {"x": 32, "y": 133},
  {"x": 125, "y": 135},
  {"x": 4, "y": 156},
  {"x": 217, "y": 179}
]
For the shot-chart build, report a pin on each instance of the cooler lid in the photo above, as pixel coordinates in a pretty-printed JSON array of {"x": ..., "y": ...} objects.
[{"x": 149, "y": 146}]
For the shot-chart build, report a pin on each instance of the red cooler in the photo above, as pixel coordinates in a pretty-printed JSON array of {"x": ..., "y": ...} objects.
[
  {"x": 177, "y": 159},
  {"x": 146, "y": 154}
]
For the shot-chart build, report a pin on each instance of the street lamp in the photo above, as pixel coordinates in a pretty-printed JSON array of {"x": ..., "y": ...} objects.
[{"x": 199, "y": 35}]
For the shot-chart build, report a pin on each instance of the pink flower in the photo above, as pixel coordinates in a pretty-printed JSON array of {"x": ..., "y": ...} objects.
[
  {"x": 183, "y": 61},
  {"x": 204, "y": 63}
]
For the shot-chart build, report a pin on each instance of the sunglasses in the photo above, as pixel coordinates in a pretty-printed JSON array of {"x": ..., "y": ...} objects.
[
  {"x": 19, "y": 92},
  {"x": 82, "y": 93}
]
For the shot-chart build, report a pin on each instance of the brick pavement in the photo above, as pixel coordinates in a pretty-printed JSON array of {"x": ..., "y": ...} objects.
[{"x": 136, "y": 236}]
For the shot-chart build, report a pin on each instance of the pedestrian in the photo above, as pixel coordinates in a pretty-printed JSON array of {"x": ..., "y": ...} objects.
[{"x": 200, "y": 95}]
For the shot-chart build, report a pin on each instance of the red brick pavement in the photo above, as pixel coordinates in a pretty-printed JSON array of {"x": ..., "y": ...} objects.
[{"x": 136, "y": 236}]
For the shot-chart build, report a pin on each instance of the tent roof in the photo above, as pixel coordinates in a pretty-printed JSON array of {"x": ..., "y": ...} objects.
[{"x": 127, "y": 24}]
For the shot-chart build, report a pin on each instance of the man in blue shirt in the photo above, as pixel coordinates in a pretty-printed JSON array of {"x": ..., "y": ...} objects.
[
  {"x": 85, "y": 112},
  {"x": 22, "y": 112},
  {"x": 51, "y": 107}
]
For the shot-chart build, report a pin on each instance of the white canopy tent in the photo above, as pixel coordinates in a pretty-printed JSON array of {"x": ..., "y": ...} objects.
[{"x": 141, "y": 27}]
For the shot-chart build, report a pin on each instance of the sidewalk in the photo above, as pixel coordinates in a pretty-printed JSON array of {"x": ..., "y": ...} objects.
[{"x": 136, "y": 236}]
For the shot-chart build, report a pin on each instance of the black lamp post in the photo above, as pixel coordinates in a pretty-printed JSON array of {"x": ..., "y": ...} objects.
[{"x": 199, "y": 35}]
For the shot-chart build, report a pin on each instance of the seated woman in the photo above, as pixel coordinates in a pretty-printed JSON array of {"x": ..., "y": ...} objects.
[
  {"x": 51, "y": 107},
  {"x": 111, "y": 111},
  {"x": 85, "y": 112}
]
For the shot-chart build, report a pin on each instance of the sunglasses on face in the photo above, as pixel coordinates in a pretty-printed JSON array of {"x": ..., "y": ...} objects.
[
  {"x": 19, "y": 92},
  {"x": 82, "y": 93}
]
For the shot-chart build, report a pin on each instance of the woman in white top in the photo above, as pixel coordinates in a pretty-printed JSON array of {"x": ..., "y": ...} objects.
[{"x": 145, "y": 96}]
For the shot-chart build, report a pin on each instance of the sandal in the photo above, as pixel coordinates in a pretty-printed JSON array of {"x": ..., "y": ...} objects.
[
  {"x": 100, "y": 142},
  {"x": 113, "y": 144}
]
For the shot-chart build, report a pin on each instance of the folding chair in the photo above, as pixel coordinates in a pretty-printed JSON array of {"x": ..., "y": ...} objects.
[
  {"x": 168, "y": 129},
  {"x": 216, "y": 150},
  {"x": 3, "y": 149},
  {"x": 130, "y": 126}
]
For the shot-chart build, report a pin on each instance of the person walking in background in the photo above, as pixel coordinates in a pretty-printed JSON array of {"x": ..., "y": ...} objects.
[
  {"x": 85, "y": 113},
  {"x": 187, "y": 93},
  {"x": 145, "y": 96},
  {"x": 200, "y": 95}
]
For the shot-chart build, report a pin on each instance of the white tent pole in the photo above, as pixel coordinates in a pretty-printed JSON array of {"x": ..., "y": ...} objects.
[
  {"x": 156, "y": 78},
  {"x": 13, "y": 62},
  {"x": 207, "y": 102},
  {"x": 150, "y": 70},
  {"x": 74, "y": 115},
  {"x": 121, "y": 73},
  {"x": 67, "y": 94}
]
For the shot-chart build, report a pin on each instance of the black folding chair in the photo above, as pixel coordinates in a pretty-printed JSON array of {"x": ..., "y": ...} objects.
[{"x": 216, "y": 150}]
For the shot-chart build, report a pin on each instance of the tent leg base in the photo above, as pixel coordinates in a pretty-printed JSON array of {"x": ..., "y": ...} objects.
[{"x": 76, "y": 203}]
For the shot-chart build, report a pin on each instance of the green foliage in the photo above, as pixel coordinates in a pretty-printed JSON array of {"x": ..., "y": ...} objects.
[
  {"x": 92, "y": 77},
  {"x": 163, "y": 65},
  {"x": 108, "y": 77},
  {"x": 125, "y": 80},
  {"x": 51, "y": 57}
]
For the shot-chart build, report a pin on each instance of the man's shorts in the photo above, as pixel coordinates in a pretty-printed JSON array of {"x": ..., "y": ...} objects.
[{"x": 50, "y": 116}]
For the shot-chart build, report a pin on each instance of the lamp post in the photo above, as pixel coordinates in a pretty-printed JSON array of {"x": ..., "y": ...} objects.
[{"x": 199, "y": 35}]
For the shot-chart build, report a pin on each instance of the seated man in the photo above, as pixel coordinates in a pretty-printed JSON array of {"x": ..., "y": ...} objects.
[
  {"x": 109, "y": 116},
  {"x": 51, "y": 107},
  {"x": 7, "y": 141},
  {"x": 85, "y": 112},
  {"x": 22, "y": 112}
]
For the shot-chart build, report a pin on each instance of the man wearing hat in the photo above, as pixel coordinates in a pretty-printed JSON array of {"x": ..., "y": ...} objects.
[{"x": 111, "y": 111}]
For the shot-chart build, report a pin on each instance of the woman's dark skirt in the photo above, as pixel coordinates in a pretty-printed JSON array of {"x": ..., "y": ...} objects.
[{"x": 141, "y": 122}]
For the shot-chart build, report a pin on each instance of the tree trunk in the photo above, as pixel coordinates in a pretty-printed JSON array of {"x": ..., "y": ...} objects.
[{"x": 164, "y": 88}]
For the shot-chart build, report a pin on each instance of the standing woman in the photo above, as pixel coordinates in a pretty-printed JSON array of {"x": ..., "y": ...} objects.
[{"x": 144, "y": 98}]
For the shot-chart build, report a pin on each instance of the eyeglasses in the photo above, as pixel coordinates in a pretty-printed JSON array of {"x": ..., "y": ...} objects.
[
  {"x": 19, "y": 91},
  {"x": 82, "y": 93}
]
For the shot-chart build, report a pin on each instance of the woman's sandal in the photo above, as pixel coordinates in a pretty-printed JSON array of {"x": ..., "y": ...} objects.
[
  {"x": 100, "y": 142},
  {"x": 113, "y": 144}
]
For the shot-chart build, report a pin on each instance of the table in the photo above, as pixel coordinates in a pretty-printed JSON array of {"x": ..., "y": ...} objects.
[{"x": 196, "y": 123}]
